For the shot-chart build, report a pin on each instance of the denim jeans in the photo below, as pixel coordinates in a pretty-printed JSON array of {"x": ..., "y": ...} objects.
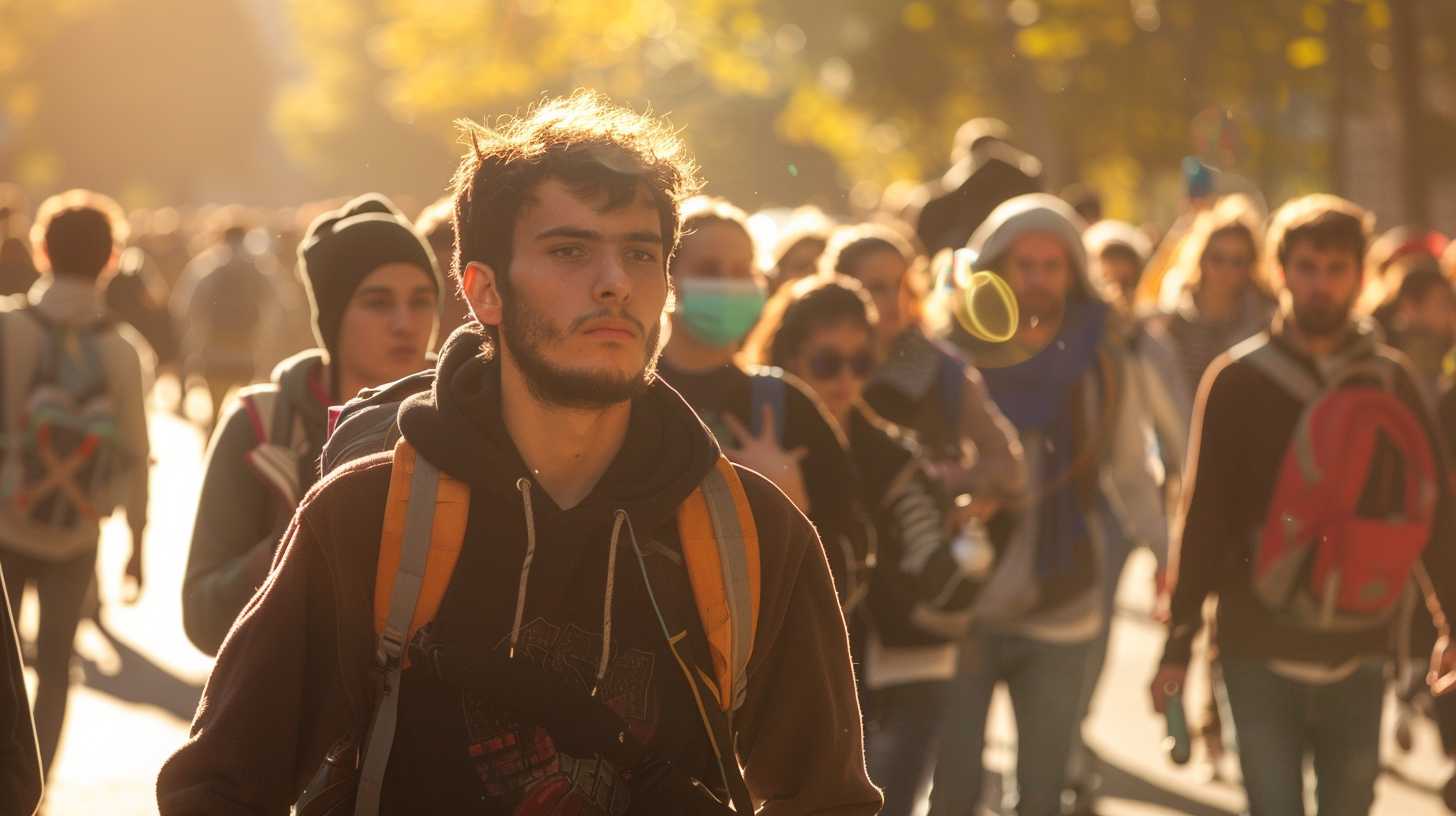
[
  {"x": 902, "y": 728},
  {"x": 1279, "y": 720},
  {"x": 1045, "y": 681}
]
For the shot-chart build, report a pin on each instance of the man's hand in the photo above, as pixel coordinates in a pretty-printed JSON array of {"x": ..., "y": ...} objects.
[
  {"x": 1167, "y": 684},
  {"x": 763, "y": 454},
  {"x": 1442, "y": 677},
  {"x": 133, "y": 582}
]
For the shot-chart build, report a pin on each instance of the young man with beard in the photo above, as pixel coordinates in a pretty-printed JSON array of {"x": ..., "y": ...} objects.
[
  {"x": 576, "y": 458},
  {"x": 1303, "y": 634},
  {"x": 766, "y": 420},
  {"x": 1064, "y": 381}
]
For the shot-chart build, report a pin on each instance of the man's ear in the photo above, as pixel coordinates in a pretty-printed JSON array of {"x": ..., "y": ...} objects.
[{"x": 477, "y": 282}]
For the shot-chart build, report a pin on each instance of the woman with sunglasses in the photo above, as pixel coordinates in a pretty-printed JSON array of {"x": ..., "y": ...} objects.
[
  {"x": 924, "y": 386},
  {"x": 822, "y": 330}
]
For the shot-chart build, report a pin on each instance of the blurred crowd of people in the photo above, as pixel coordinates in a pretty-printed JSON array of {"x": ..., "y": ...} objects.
[{"x": 984, "y": 396}]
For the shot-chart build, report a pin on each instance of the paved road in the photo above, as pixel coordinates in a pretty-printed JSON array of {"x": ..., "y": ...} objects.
[{"x": 136, "y": 689}]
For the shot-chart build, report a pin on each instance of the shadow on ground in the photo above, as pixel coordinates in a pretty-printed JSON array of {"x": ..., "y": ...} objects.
[{"x": 142, "y": 681}]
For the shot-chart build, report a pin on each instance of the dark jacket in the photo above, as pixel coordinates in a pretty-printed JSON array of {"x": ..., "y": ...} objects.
[
  {"x": 1243, "y": 423},
  {"x": 296, "y": 673},
  {"x": 829, "y": 477},
  {"x": 907, "y": 507},
  {"x": 927, "y": 389},
  {"x": 20, "y": 775},
  {"x": 241, "y": 516}
]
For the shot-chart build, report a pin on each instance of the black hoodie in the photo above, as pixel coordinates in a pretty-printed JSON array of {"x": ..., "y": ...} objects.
[
  {"x": 664, "y": 457},
  {"x": 296, "y": 673}
]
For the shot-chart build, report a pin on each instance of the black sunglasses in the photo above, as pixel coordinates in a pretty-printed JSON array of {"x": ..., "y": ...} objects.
[{"x": 827, "y": 364}]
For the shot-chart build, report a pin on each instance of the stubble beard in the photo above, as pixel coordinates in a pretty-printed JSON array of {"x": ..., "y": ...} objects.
[{"x": 528, "y": 334}]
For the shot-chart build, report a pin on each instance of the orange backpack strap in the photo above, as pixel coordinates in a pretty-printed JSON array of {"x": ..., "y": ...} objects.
[
  {"x": 720, "y": 552},
  {"x": 424, "y": 526},
  {"x": 419, "y": 544}
]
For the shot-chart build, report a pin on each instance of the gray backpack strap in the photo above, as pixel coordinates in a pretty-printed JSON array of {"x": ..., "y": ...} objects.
[
  {"x": 737, "y": 583},
  {"x": 1284, "y": 370},
  {"x": 414, "y": 552}
]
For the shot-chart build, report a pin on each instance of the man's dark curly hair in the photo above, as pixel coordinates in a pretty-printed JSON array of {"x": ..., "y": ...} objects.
[{"x": 585, "y": 141}]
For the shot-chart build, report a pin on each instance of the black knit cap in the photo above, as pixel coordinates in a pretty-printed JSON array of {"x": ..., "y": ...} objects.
[{"x": 344, "y": 246}]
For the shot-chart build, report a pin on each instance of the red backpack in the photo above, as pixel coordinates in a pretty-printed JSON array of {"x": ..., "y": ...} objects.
[{"x": 1356, "y": 498}]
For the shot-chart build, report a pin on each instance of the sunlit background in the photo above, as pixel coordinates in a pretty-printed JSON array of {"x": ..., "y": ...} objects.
[
  {"x": 850, "y": 105},
  {"x": 783, "y": 101}
]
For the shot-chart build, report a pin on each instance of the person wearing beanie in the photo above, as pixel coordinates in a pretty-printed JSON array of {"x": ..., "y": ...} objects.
[
  {"x": 374, "y": 290},
  {"x": 1065, "y": 381}
]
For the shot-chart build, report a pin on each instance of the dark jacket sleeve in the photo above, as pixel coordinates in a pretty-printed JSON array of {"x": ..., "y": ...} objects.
[
  {"x": 1207, "y": 531},
  {"x": 799, "y": 733},
  {"x": 832, "y": 483},
  {"x": 1000, "y": 466},
  {"x": 277, "y": 680},
  {"x": 20, "y": 776},
  {"x": 233, "y": 539},
  {"x": 1439, "y": 557}
]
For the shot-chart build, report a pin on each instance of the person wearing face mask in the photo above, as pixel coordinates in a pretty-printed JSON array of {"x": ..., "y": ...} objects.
[
  {"x": 375, "y": 290},
  {"x": 823, "y": 330},
  {"x": 764, "y": 419}
]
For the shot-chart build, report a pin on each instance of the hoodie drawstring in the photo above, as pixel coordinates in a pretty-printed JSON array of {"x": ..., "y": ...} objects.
[
  {"x": 620, "y": 518},
  {"x": 524, "y": 485}
]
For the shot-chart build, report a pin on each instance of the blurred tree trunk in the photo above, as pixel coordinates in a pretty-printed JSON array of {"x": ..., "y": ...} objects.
[
  {"x": 1341, "y": 65},
  {"x": 1405, "y": 46}
]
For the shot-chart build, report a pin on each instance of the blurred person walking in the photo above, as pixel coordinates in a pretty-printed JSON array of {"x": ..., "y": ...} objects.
[
  {"x": 1311, "y": 434},
  {"x": 374, "y": 286},
  {"x": 17, "y": 268},
  {"x": 1117, "y": 252},
  {"x": 1063, "y": 382},
  {"x": 558, "y": 661},
  {"x": 73, "y": 401},
  {"x": 822, "y": 330},
  {"x": 228, "y": 306},
  {"x": 764, "y": 419}
]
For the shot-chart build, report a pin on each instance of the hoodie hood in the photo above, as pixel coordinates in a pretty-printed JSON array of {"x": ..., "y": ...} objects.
[
  {"x": 457, "y": 425},
  {"x": 300, "y": 380},
  {"x": 67, "y": 300},
  {"x": 1034, "y": 212}
]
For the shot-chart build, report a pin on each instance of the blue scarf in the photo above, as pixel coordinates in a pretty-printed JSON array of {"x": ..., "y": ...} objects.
[{"x": 1037, "y": 396}]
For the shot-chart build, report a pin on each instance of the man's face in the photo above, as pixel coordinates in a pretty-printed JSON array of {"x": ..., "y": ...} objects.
[
  {"x": 386, "y": 328},
  {"x": 1323, "y": 284},
  {"x": 1040, "y": 274},
  {"x": 579, "y": 309}
]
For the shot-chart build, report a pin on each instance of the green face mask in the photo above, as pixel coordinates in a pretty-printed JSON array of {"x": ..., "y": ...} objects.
[{"x": 719, "y": 312}]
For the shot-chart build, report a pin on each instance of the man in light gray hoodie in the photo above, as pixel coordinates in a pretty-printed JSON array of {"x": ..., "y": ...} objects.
[{"x": 1065, "y": 381}]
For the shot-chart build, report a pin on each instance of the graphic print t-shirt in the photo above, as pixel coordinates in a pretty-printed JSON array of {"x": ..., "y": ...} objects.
[{"x": 459, "y": 750}]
